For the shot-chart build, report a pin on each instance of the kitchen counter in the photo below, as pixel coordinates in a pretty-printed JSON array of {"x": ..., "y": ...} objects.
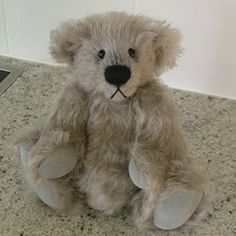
[{"x": 209, "y": 124}]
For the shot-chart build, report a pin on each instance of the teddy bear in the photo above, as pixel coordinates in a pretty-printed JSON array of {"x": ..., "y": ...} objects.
[{"x": 113, "y": 134}]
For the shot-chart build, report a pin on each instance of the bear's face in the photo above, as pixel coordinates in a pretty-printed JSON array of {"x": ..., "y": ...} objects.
[
  {"x": 113, "y": 67},
  {"x": 114, "y": 54}
]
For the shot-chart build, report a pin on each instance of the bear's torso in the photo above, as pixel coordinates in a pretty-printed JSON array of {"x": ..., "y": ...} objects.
[{"x": 110, "y": 131}]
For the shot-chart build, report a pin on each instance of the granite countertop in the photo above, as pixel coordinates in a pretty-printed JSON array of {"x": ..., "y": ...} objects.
[{"x": 210, "y": 128}]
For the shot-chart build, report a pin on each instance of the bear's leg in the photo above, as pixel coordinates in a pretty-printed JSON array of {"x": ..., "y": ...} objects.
[
  {"x": 107, "y": 186},
  {"x": 183, "y": 199},
  {"x": 49, "y": 178}
]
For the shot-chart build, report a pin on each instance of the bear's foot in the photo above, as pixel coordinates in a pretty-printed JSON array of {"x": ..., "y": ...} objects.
[
  {"x": 51, "y": 186},
  {"x": 173, "y": 211},
  {"x": 176, "y": 209}
]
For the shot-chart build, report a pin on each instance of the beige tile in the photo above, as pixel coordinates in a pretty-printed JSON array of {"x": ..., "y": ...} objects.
[{"x": 210, "y": 127}]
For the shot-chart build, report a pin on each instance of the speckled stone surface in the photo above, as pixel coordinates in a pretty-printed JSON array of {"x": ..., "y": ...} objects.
[{"x": 210, "y": 127}]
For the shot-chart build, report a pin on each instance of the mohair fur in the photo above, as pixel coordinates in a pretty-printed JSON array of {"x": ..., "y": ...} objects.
[{"x": 107, "y": 132}]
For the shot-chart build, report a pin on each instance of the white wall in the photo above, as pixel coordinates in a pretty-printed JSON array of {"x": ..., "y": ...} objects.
[
  {"x": 29, "y": 22},
  {"x": 208, "y": 64}
]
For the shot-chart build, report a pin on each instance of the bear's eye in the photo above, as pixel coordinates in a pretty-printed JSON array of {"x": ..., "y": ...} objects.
[
  {"x": 101, "y": 54},
  {"x": 132, "y": 52}
]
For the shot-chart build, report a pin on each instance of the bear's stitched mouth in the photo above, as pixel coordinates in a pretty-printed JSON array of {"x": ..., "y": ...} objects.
[{"x": 118, "y": 90}]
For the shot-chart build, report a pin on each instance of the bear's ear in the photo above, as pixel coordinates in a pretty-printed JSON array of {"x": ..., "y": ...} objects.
[
  {"x": 66, "y": 39},
  {"x": 166, "y": 45}
]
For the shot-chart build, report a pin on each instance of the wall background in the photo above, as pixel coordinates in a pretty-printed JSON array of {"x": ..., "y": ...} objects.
[{"x": 208, "y": 64}]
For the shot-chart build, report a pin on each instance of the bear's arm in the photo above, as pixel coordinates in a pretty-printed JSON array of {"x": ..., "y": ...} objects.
[
  {"x": 160, "y": 145},
  {"x": 66, "y": 124},
  {"x": 70, "y": 112},
  {"x": 64, "y": 131}
]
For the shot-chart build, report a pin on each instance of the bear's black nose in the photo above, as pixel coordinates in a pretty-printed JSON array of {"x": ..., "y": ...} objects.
[{"x": 117, "y": 74}]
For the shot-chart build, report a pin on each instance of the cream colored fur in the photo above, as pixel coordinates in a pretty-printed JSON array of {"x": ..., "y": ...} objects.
[{"x": 107, "y": 132}]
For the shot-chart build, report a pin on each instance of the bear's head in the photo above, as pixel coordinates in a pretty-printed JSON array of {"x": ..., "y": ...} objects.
[{"x": 113, "y": 54}]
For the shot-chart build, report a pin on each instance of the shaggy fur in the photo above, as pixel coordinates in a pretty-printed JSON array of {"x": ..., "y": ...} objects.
[{"x": 107, "y": 132}]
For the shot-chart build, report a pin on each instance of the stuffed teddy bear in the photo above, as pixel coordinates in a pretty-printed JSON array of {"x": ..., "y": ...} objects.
[{"x": 113, "y": 134}]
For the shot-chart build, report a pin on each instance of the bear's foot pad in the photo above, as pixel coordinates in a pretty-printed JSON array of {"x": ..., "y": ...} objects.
[
  {"x": 176, "y": 209},
  {"x": 48, "y": 192},
  {"x": 48, "y": 188}
]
